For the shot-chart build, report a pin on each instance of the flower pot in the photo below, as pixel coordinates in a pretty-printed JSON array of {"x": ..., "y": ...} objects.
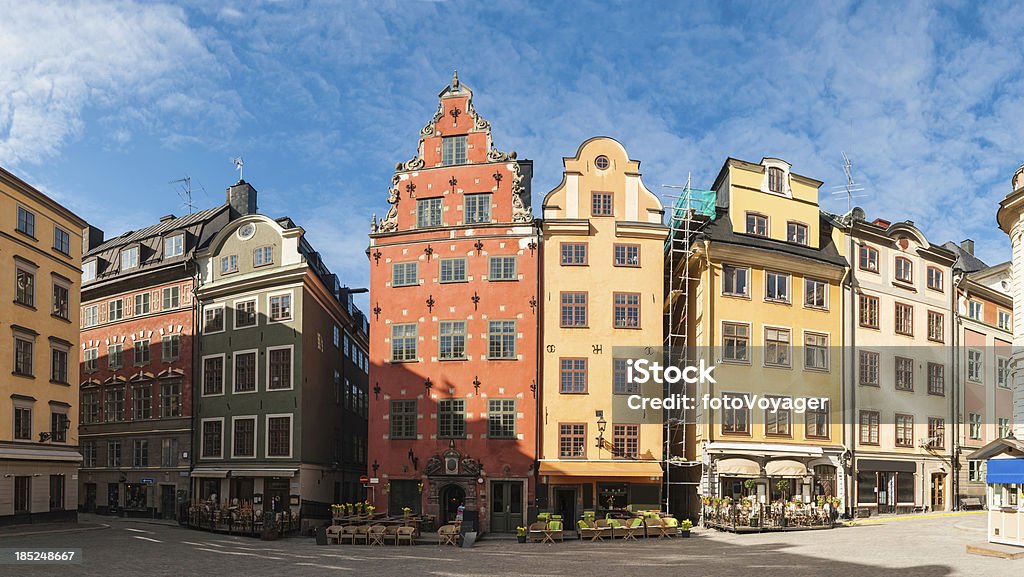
[
  {"x": 685, "y": 533},
  {"x": 521, "y": 538}
]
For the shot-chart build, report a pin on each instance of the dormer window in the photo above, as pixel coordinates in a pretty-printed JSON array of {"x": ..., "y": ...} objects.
[
  {"x": 796, "y": 232},
  {"x": 174, "y": 245},
  {"x": 89, "y": 270},
  {"x": 453, "y": 150},
  {"x": 757, "y": 224},
  {"x": 129, "y": 258},
  {"x": 904, "y": 270},
  {"x": 775, "y": 180}
]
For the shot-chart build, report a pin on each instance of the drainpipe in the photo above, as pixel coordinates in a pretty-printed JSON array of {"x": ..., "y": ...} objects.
[
  {"x": 538, "y": 380},
  {"x": 196, "y": 353},
  {"x": 711, "y": 347},
  {"x": 954, "y": 460},
  {"x": 851, "y": 387},
  {"x": 847, "y": 280}
]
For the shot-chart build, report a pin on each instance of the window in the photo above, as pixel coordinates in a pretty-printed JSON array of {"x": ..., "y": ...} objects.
[
  {"x": 975, "y": 310},
  {"x": 213, "y": 375},
  {"x": 141, "y": 304},
  {"x": 91, "y": 316},
  {"x": 757, "y": 224},
  {"x": 213, "y": 319},
  {"x": 934, "y": 278},
  {"x": 501, "y": 419},
  {"x": 735, "y": 421},
  {"x": 59, "y": 424},
  {"x": 403, "y": 419},
  {"x": 245, "y": 372},
  {"x": 405, "y": 273},
  {"x": 735, "y": 280},
  {"x": 170, "y": 400},
  {"x": 115, "y": 310},
  {"x": 171, "y": 297},
  {"x": 262, "y": 256},
  {"x": 452, "y": 270},
  {"x": 88, "y": 270},
  {"x": 140, "y": 453},
  {"x": 453, "y": 150},
  {"x": 170, "y": 348},
  {"x": 816, "y": 351},
  {"x": 936, "y": 331},
  {"x": 904, "y": 374},
  {"x": 452, "y": 340},
  {"x": 904, "y": 320},
  {"x": 23, "y": 423},
  {"x": 23, "y": 351},
  {"x": 868, "y": 369},
  {"x": 776, "y": 347},
  {"x": 56, "y": 492},
  {"x": 620, "y": 384},
  {"x": 142, "y": 402},
  {"x": 90, "y": 407},
  {"x": 936, "y": 379},
  {"x": 280, "y": 361},
  {"x": 281, "y": 307},
  {"x": 141, "y": 349},
  {"x": 626, "y": 310},
  {"x": 451, "y": 418},
  {"x": 428, "y": 212},
  {"x": 89, "y": 454},
  {"x": 776, "y": 180},
  {"x": 245, "y": 313},
  {"x": 501, "y": 339},
  {"x": 625, "y": 441},
  {"x": 26, "y": 221},
  {"x": 868, "y": 306},
  {"x": 1003, "y": 372},
  {"x": 574, "y": 309},
  {"x": 974, "y": 472},
  {"x": 736, "y": 342},
  {"x": 816, "y": 422},
  {"x": 169, "y": 452},
  {"x": 213, "y": 435},
  {"x": 796, "y": 232},
  {"x": 572, "y": 376},
  {"x": 815, "y": 294},
  {"x": 174, "y": 246},
  {"x": 573, "y": 253},
  {"x": 129, "y": 258},
  {"x": 627, "y": 255},
  {"x": 477, "y": 208},
  {"x": 113, "y": 454},
  {"x": 974, "y": 426},
  {"x": 58, "y": 365},
  {"x": 904, "y": 269},
  {"x": 403, "y": 342},
  {"x": 868, "y": 259},
  {"x": 89, "y": 357},
  {"x": 602, "y": 204},
  {"x": 572, "y": 440},
  {"x": 936, "y": 433},
  {"x": 61, "y": 296},
  {"x": 22, "y": 493},
  {"x": 61, "y": 240},
  {"x": 501, "y": 268},
  {"x": 1004, "y": 321},
  {"x": 776, "y": 287},
  {"x": 1003, "y": 427},
  {"x": 904, "y": 430},
  {"x": 25, "y": 287},
  {"x": 115, "y": 357},
  {"x": 113, "y": 406},
  {"x": 869, "y": 427},
  {"x": 974, "y": 365},
  {"x": 601, "y": 162},
  {"x": 229, "y": 264},
  {"x": 777, "y": 423},
  {"x": 243, "y": 437}
]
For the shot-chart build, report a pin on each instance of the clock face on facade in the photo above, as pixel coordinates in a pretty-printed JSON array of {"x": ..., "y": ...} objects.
[{"x": 246, "y": 231}]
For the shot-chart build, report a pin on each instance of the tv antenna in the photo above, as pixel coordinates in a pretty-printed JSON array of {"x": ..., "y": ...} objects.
[
  {"x": 851, "y": 188},
  {"x": 185, "y": 193},
  {"x": 238, "y": 166}
]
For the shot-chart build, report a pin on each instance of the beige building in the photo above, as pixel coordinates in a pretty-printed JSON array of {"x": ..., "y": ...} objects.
[{"x": 41, "y": 248}]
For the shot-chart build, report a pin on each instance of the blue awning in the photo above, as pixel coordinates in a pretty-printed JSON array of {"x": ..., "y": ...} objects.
[{"x": 1006, "y": 471}]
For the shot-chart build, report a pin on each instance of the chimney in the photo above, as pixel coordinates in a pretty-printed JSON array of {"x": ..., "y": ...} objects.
[
  {"x": 881, "y": 222},
  {"x": 92, "y": 237},
  {"x": 967, "y": 245},
  {"x": 242, "y": 198},
  {"x": 167, "y": 217}
]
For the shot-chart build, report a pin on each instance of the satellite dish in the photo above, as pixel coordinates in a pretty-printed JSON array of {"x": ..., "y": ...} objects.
[{"x": 858, "y": 213}]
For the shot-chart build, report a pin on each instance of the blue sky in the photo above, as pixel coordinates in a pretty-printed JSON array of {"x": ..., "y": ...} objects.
[{"x": 103, "y": 103}]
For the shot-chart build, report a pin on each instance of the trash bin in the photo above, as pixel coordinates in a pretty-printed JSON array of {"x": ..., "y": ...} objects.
[
  {"x": 468, "y": 538},
  {"x": 321, "y": 535}
]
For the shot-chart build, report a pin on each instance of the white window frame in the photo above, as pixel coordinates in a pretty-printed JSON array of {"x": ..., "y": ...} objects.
[
  {"x": 223, "y": 320},
  {"x": 255, "y": 310},
  {"x": 1000, "y": 315},
  {"x": 128, "y": 251},
  {"x": 971, "y": 309},
  {"x": 174, "y": 240},
  {"x": 822, "y": 307},
  {"x": 202, "y": 375},
  {"x": 789, "y": 287},
  {"x": 95, "y": 316},
  {"x": 256, "y": 367},
  {"x": 975, "y": 375},
  {"x": 202, "y": 438},
  {"x": 1003, "y": 376},
  {"x": 291, "y": 377},
  {"x": 255, "y": 436},
  {"x": 120, "y": 310},
  {"x": 89, "y": 269},
  {"x": 291, "y": 307},
  {"x": 266, "y": 435}
]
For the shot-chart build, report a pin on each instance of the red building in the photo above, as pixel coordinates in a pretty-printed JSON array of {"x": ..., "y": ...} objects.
[{"x": 453, "y": 339}]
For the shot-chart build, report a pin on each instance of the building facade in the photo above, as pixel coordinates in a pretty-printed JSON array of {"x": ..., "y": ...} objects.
[
  {"x": 137, "y": 343},
  {"x": 280, "y": 410},
  {"x": 602, "y": 300},
  {"x": 453, "y": 349},
  {"x": 41, "y": 247}
]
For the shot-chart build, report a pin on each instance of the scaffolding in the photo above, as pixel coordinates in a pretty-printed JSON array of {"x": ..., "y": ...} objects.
[{"x": 692, "y": 210}]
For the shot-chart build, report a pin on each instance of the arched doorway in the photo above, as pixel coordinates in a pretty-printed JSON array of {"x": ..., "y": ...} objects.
[{"x": 452, "y": 496}]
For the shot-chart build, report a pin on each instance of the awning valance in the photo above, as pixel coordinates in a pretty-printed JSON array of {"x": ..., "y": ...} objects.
[
  {"x": 738, "y": 467},
  {"x": 785, "y": 468},
  {"x": 868, "y": 465},
  {"x": 602, "y": 468},
  {"x": 1005, "y": 471},
  {"x": 34, "y": 453},
  {"x": 762, "y": 449},
  {"x": 263, "y": 472},
  {"x": 210, "y": 473}
]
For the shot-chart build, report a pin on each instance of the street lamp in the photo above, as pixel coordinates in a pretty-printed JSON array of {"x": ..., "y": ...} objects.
[{"x": 601, "y": 426}]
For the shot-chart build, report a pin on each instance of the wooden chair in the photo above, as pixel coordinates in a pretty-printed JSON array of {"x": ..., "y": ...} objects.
[
  {"x": 669, "y": 528},
  {"x": 448, "y": 535},
  {"x": 630, "y": 529},
  {"x": 375, "y": 535},
  {"x": 360, "y": 533},
  {"x": 391, "y": 534},
  {"x": 404, "y": 534},
  {"x": 553, "y": 531},
  {"x": 593, "y": 532},
  {"x": 334, "y": 534},
  {"x": 348, "y": 533},
  {"x": 536, "y": 531}
]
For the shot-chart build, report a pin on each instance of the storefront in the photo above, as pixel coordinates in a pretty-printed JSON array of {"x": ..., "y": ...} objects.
[
  {"x": 771, "y": 472},
  {"x": 886, "y": 486},
  {"x": 571, "y": 487},
  {"x": 1003, "y": 461}
]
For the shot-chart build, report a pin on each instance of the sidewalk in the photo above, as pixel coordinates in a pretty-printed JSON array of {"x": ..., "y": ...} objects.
[
  {"x": 45, "y": 528},
  {"x": 877, "y": 520}
]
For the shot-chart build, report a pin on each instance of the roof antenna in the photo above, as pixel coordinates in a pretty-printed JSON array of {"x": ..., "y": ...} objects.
[
  {"x": 850, "y": 187},
  {"x": 186, "y": 193},
  {"x": 238, "y": 166}
]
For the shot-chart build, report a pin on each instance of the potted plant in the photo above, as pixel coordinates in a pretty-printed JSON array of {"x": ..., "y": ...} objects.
[
  {"x": 406, "y": 512},
  {"x": 750, "y": 485},
  {"x": 684, "y": 528},
  {"x": 521, "y": 534},
  {"x": 370, "y": 509}
]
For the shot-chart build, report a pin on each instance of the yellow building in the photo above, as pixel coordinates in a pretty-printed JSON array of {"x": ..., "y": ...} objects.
[
  {"x": 764, "y": 305},
  {"x": 602, "y": 291},
  {"x": 41, "y": 248}
]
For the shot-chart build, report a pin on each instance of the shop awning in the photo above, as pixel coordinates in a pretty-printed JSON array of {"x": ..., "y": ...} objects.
[
  {"x": 210, "y": 473},
  {"x": 602, "y": 468},
  {"x": 738, "y": 467},
  {"x": 263, "y": 472},
  {"x": 40, "y": 454},
  {"x": 869, "y": 465},
  {"x": 763, "y": 449},
  {"x": 1006, "y": 471},
  {"x": 785, "y": 468}
]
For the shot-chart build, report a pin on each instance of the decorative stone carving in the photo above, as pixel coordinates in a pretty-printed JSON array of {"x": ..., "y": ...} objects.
[
  {"x": 373, "y": 223},
  {"x": 495, "y": 155},
  {"x": 390, "y": 222},
  {"x": 431, "y": 126},
  {"x": 479, "y": 123},
  {"x": 434, "y": 465},
  {"x": 519, "y": 211},
  {"x": 470, "y": 466},
  {"x": 414, "y": 163}
]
